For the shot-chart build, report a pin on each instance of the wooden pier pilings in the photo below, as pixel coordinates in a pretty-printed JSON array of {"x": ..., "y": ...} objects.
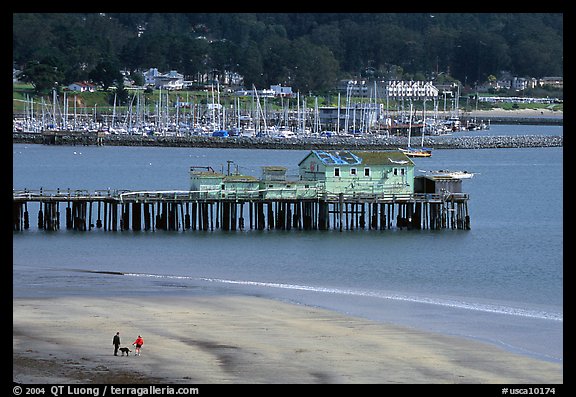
[{"x": 177, "y": 211}]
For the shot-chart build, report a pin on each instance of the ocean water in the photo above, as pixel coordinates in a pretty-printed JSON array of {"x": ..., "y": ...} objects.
[{"x": 500, "y": 282}]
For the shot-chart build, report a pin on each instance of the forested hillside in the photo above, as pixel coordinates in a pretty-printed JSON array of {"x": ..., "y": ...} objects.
[{"x": 308, "y": 51}]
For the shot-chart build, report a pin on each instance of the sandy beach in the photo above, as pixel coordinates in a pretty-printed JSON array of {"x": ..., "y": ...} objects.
[
  {"x": 244, "y": 340},
  {"x": 516, "y": 113}
]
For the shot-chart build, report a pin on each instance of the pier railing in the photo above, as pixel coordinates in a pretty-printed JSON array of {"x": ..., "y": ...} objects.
[{"x": 143, "y": 196}]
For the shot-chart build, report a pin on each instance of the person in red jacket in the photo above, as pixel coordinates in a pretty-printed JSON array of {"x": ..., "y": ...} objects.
[{"x": 138, "y": 343}]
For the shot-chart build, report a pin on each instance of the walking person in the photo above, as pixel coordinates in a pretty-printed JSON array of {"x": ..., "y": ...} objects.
[
  {"x": 138, "y": 343},
  {"x": 116, "y": 343}
]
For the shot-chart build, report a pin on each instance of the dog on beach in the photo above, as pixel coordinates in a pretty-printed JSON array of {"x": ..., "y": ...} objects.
[{"x": 125, "y": 350}]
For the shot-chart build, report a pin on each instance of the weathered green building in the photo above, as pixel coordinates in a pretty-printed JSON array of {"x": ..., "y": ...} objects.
[
  {"x": 360, "y": 173},
  {"x": 321, "y": 174}
]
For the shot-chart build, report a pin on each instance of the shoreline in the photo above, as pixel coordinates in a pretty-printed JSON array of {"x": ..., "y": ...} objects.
[{"x": 253, "y": 340}]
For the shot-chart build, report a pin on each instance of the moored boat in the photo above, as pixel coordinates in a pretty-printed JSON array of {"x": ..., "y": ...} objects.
[
  {"x": 413, "y": 152},
  {"x": 450, "y": 174}
]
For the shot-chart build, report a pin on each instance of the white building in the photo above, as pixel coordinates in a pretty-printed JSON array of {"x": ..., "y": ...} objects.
[
  {"x": 82, "y": 87},
  {"x": 150, "y": 76},
  {"x": 393, "y": 88},
  {"x": 280, "y": 91},
  {"x": 521, "y": 83},
  {"x": 557, "y": 82},
  {"x": 258, "y": 93},
  {"x": 411, "y": 89},
  {"x": 170, "y": 81}
]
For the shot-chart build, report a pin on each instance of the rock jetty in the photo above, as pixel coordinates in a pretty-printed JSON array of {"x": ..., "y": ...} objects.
[{"x": 372, "y": 143}]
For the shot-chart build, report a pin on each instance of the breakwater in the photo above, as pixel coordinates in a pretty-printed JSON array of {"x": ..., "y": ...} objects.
[{"x": 369, "y": 142}]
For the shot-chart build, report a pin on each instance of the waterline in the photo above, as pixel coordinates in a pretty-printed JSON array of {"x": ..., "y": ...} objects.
[{"x": 482, "y": 307}]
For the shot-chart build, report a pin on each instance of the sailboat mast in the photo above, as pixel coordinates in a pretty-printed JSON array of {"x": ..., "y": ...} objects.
[
  {"x": 424, "y": 118},
  {"x": 410, "y": 124},
  {"x": 338, "y": 118}
]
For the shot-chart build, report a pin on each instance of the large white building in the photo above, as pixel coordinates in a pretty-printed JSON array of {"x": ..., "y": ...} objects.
[
  {"x": 394, "y": 89},
  {"x": 411, "y": 89},
  {"x": 170, "y": 81}
]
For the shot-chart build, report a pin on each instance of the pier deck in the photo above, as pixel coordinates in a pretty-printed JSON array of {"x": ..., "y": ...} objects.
[{"x": 121, "y": 210}]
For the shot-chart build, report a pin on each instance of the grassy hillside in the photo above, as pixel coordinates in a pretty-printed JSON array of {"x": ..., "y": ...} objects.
[{"x": 103, "y": 101}]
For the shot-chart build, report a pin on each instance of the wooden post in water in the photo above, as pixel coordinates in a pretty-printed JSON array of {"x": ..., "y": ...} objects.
[
  {"x": 270, "y": 216},
  {"x": 136, "y": 217},
  {"x": 241, "y": 218},
  {"x": 187, "y": 216},
  {"x": 146, "y": 208},
  {"x": 341, "y": 210},
  {"x": 26, "y": 217}
]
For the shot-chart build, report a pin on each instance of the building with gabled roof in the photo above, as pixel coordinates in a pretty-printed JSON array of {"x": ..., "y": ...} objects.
[
  {"x": 359, "y": 172},
  {"x": 82, "y": 86}
]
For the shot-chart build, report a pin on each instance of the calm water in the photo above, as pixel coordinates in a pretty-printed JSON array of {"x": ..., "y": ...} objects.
[{"x": 501, "y": 282}]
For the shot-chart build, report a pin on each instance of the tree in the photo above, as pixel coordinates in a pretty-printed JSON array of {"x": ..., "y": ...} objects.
[
  {"x": 138, "y": 78},
  {"x": 106, "y": 73},
  {"x": 44, "y": 77},
  {"x": 262, "y": 46},
  {"x": 250, "y": 66},
  {"x": 121, "y": 94},
  {"x": 315, "y": 68}
]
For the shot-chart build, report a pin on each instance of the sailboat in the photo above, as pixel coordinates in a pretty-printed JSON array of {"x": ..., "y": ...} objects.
[{"x": 413, "y": 152}]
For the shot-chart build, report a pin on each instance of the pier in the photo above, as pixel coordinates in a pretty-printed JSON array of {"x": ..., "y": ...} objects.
[{"x": 183, "y": 211}]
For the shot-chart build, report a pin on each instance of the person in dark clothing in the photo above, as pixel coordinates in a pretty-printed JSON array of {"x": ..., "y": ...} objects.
[{"x": 116, "y": 343}]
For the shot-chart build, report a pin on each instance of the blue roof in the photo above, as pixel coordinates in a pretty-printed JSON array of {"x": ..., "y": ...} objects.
[{"x": 337, "y": 157}]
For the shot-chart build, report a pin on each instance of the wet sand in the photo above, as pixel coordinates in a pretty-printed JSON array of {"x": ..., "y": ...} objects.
[{"x": 218, "y": 340}]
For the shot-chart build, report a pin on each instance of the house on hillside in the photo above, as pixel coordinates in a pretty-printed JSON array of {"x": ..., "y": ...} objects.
[
  {"x": 170, "y": 81},
  {"x": 150, "y": 76},
  {"x": 82, "y": 86}
]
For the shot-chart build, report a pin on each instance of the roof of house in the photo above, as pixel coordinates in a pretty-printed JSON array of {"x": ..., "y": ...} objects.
[
  {"x": 362, "y": 157},
  {"x": 83, "y": 84},
  {"x": 223, "y": 177},
  {"x": 384, "y": 157},
  {"x": 206, "y": 174},
  {"x": 240, "y": 178}
]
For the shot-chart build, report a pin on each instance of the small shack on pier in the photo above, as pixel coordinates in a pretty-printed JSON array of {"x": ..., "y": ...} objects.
[
  {"x": 437, "y": 184},
  {"x": 207, "y": 183}
]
